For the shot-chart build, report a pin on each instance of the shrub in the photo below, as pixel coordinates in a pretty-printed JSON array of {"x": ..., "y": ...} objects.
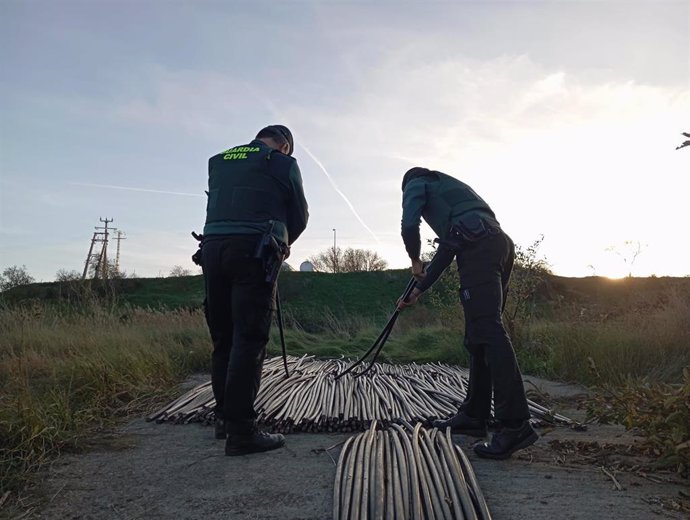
[{"x": 660, "y": 411}]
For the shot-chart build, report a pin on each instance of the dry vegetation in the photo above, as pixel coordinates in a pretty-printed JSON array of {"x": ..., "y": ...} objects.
[
  {"x": 68, "y": 369},
  {"x": 67, "y": 372}
]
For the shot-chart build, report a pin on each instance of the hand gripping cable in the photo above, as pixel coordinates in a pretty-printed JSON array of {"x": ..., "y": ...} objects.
[{"x": 381, "y": 340}]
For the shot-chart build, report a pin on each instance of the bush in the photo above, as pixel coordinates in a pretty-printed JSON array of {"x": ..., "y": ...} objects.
[
  {"x": 528, "y": 275},
  {"x": 14, "y": 277},
  {"x": 660, "y": 411}
]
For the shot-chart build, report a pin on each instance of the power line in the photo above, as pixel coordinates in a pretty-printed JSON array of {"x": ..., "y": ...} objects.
[
  {"x": 96, "y": 258},
  {"x": 119, "y": 237}
]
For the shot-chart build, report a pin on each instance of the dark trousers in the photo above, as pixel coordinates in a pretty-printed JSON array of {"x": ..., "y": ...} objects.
[
  {"x": 239, "y": 305},
  {"x": 484, "y": 269}
]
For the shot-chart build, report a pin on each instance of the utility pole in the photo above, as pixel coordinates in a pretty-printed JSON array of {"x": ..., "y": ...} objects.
[
  {"x": 120, "y": 236},
  {"x": 104, "y": 252},
  {"x": 88, "y": 256},
  {"x": 335, "y": 254},
  {"x": 98, "y": 260}
]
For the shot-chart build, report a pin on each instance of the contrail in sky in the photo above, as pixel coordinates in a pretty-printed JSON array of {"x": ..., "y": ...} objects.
[
  {"x": 272, "y": 108},
  {"x": 335, "y": 187},
  {"x": 128, "y": 188}
]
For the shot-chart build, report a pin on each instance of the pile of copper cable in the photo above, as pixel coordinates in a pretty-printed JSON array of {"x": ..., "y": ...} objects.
[
  {"x": 312, "y": 399},
  {"x": 405, "y": 471}
]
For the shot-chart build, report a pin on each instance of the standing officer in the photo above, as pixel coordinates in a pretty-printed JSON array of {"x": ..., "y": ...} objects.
[
  {"x": 256, "y": 209},
  {"x": 469, "y": 232}
]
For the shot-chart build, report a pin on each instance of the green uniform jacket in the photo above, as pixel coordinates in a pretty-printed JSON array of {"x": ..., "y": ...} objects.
[
  {"x": 253, "y": 188},
  {"x": 443, "y": 201}
]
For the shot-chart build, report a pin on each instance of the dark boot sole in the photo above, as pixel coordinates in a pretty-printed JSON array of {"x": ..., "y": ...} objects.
[
  {"x": 234, "y": 451},
  {"x": 528, "y": 441}
]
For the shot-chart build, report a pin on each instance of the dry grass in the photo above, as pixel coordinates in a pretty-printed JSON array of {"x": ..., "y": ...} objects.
[
  {"x": 65, "y": 373},
  {"x": 650, "y": 342}
]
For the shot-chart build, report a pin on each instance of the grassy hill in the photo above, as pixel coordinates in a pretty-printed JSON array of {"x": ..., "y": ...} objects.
[
  {"x": 306, "y": 297},
  {"x": 309, "y": 297}
]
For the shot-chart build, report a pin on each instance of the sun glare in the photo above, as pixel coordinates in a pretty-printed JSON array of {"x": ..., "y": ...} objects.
[
  {"x": 617, "y": 276},
  {"x": 613, "y": 267}
]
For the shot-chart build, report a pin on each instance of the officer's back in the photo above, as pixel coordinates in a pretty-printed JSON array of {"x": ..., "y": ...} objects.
[
  {"x": 252, "y": 186},
  {"x": 255, "y": 197}
]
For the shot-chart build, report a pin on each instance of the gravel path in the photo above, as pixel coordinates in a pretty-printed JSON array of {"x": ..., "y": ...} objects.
[{"x": 163, "y": 471}]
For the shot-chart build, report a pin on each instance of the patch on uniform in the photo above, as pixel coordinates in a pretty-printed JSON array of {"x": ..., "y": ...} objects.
[
  {"x": 465, "y": 294},
  {"x": 239, "y": 152}
]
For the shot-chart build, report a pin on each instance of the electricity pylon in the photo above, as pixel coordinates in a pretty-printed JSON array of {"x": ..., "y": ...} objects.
[{"x": 99, "y": 259}]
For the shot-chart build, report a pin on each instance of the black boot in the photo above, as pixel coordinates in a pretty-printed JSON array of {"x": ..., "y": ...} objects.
[
  {"x": 507, "y": 441},
  {"x": 243, "y": 444},
  {"x": 463, "y": 424},
  {"x": 220, "y": 428}
]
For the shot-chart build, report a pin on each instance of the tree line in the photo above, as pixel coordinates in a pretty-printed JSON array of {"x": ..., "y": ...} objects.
[
  {"x": 332, "y": 260},
  {"x": 337, "y": 260}
]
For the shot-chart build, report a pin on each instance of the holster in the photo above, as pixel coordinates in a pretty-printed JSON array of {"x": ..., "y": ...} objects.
[
  {"x": 196, "y": 257},
  {"x": 272, "y": 253},
  {"x": 473, "y": 227},
  {"x": 470, "y": 228}
]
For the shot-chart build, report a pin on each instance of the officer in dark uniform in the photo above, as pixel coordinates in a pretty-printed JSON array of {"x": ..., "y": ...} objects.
[
  {"x": 470, "y": 234},
  {"x": 255, "y": 198}
]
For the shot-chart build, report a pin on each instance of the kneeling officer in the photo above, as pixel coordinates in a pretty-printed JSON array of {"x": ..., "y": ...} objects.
[{"x": 256, "y": 209}]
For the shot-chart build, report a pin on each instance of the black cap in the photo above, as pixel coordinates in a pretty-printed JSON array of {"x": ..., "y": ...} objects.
[
  {"x": 412, "y": 173},
  {"x": 281, "y": 131}
]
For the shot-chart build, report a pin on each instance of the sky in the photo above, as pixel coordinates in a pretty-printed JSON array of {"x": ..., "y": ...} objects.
[{"x": 564, "y": 116}]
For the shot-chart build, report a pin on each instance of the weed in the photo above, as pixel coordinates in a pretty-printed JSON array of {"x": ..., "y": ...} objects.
[
  {"x": 68, "y": 372},
  {"x": 660, "y": 411}
]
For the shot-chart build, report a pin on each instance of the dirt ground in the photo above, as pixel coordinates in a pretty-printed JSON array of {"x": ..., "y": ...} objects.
[{"x": 162, "y": 471}]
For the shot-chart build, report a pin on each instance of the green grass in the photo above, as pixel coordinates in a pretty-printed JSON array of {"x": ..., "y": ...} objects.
[
  {"x": 422, "y": 345},
  {"x": 155, "y": 293},
  {"x": 306, "y": 293},
  {"x": 346, "y": 295}
]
